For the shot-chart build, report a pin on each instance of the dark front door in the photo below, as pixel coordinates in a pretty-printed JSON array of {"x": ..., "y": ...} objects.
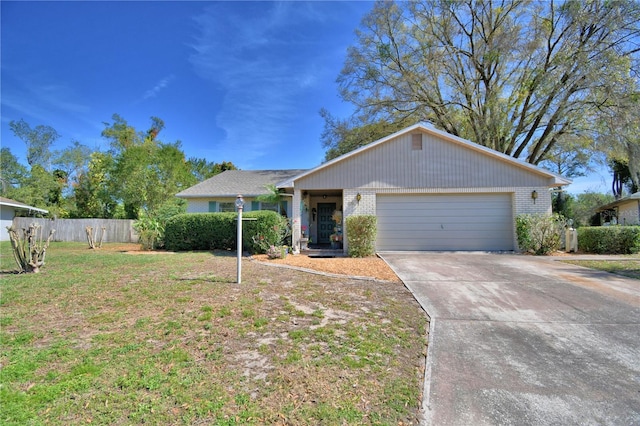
[{"x": 325, "y": 223}]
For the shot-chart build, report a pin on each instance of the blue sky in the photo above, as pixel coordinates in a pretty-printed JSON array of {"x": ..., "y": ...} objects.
[{"x": 233, "y": 81}]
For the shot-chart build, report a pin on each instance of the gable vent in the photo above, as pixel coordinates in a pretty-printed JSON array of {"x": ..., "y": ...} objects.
[{"x": 416, "y": 142}]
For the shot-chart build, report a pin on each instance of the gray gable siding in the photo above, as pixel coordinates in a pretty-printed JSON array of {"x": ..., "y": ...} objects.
[{"x": 440, "y": 164}]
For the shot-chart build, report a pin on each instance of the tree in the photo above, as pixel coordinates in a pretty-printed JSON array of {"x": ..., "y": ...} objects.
[
  {"x": 621, "y": 178},
  {"x": 38, "y": 140},
  {"x": 92, "y": 191},
  {"x": 584, "y": 207},
  {"x": 343, "y": 136},
  {"x": 72, "y": 160},
  {"x": 273, "y": 196},
  {"x": 203, "y": 169},
  {"x": 146, "y": 172},
  {"x": 619, "y": 137},
  {"x": 12, "y": 173},
  {"x": 512, "y": 75},
  {"x": 41, "y": 189}
]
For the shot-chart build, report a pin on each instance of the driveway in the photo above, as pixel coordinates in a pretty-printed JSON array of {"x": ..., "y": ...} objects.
[{"x": 525, "y": 340}]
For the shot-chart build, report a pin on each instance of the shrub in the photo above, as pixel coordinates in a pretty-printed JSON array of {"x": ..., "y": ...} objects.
[
  {"x": 210, "y": 231},
  {"x": 609, "y": 239},
  {"x": 361, "y": 235},
  {"x": 151, "y": 232},
  {"x": 201, "y": 231},
  {"x": 271, "y": 229},
  {"x": 539, "y": 233}
]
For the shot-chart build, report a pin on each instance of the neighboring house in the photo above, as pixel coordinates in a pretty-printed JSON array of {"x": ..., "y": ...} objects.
[
  {"x": 625, "y": 211},
  {"x": 218, "y": 194},
  {"x": 430, "y": 190},
  {"x": 9, "y": 209}
]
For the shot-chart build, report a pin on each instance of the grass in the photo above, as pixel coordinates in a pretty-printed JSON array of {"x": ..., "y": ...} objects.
[
  {"x": 629, "y": 267},
  {"x": 105, "y": 337}
]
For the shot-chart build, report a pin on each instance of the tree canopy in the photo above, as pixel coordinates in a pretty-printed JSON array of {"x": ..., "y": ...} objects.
[
  {"x": 138, "y": 175},
  {"x": 521, "y": 77}
]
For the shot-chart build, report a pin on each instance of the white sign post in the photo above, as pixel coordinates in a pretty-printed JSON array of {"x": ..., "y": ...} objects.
[{"x": 239, "y": 206}]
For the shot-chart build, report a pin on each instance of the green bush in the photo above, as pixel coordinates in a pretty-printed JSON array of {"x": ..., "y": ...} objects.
[
  {"x": 151, "y": 232},
  {"x": 211, "y": 231},
  {"x": 361, "y": 235},
  {"x": 609, "y": 239},
  {"x": 270, "y": 229},
  {"x": 539, "y": 233}
]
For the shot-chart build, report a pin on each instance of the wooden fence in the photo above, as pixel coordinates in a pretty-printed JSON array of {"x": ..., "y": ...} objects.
[{"x": 116, "y": 230}]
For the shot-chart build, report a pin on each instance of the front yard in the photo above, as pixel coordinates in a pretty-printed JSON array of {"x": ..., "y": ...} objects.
[{"x": 106, "y": 337}]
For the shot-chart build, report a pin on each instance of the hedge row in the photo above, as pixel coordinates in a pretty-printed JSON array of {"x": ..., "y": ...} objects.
[
  {"x": 211, "y": 231},
  {"x": 609, "y": 239}
]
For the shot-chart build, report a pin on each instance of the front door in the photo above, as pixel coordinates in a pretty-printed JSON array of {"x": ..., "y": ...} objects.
[{"x": 325, "y": 222}]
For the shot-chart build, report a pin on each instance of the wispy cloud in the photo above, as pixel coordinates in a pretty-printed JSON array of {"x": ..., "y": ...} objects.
[
  {"x": 37, "y": 97},
  {"x": 258, "y": 56},
  {"x": 153, "y": 92}
]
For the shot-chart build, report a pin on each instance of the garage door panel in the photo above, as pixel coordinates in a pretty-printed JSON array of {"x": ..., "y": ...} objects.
[
  {"x": 445, "y": 222},
  {"x": 427, "y": 230}
]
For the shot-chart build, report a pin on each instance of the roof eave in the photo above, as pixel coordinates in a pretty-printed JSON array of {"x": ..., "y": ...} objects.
[{"x": 24, "y": 207}]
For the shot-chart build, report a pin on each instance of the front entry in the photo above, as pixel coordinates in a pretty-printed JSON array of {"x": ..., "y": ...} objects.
[{"x": 325, "y": 222}]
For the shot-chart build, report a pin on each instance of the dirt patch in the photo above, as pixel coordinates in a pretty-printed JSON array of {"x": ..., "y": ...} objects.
[{"x": 372, "y": 267}]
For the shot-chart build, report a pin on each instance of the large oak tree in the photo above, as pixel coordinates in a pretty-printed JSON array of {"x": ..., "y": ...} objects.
[{"x": 521, "y": 77}]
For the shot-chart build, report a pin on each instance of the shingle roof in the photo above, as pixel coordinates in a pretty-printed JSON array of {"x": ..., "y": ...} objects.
[
  {"x": 233, "y": 182},
  {"x": 634, "y": 196}
]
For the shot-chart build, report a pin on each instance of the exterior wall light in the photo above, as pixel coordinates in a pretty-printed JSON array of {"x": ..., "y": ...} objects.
[
  {"x": 534, "y": 196},
  {"x": 358, "y": 198}
]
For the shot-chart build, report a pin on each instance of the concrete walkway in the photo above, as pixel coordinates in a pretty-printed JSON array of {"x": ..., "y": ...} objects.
[{"x": 524, "y": 340}]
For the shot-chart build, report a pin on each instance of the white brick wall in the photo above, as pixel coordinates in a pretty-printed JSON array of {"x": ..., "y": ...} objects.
[{"x": 524, "y": 203}]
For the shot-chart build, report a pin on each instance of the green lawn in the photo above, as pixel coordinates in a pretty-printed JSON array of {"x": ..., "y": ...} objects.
[
  {"x": 629, "y": 267},
  {"x": 106, "y": 337}
]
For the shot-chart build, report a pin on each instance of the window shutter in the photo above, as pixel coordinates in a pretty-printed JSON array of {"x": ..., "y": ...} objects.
[
  {"x": 213, "y": 206},
  {"x": 255, "y": 205}
]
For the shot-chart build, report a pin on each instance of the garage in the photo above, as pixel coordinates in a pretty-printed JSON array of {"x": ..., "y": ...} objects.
[{"x": 445, "y": 222}]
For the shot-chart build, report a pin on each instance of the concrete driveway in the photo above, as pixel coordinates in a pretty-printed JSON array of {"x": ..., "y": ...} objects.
[{"x": 520, "y": 340}]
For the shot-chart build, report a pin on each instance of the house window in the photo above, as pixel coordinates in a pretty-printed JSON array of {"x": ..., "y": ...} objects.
[
  {"x": 226, "y": 207},
  {"x": 270, "y": 206},
  {"x": 416, "y": 142}
]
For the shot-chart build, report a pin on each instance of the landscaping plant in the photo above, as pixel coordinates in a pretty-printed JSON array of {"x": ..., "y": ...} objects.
[
  {"x": 361, "y": 235},
  {"x": 150, "y": 231},
  {"x": 540, "y": 234},
  {"x": 28, "y": 247},
  {"x": 609, "y": 239}
]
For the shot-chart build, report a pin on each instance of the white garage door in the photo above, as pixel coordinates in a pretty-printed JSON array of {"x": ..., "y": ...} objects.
[{"x": 445, "y": 222}]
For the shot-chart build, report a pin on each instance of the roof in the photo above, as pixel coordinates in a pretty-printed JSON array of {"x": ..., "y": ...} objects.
[
  {"x": 18, "y": 205},
  {"x": 634, "y": 196},
  {"x": 230, "y": 183},
  {"x": 557, "y": 179}
]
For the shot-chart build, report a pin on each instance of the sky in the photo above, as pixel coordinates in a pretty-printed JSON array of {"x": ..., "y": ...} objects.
[{"x": 233, "y": 81}]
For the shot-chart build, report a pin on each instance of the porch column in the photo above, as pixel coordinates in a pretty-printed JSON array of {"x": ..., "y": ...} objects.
[{"x": 296, "y": 220}]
